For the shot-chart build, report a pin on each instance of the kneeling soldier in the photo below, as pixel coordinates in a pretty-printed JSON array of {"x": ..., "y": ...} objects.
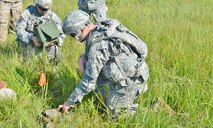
[
  {"x": 39, "y": 29},
  {"x": 114, "y": 54}
]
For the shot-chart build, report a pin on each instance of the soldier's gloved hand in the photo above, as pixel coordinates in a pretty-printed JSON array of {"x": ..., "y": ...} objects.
[
  {"x": 35, "y": 41},
  {"x": 64, "y": 108}
]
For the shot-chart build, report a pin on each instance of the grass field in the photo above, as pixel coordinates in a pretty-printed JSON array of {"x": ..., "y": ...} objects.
[{"x": 179, "y": 36}]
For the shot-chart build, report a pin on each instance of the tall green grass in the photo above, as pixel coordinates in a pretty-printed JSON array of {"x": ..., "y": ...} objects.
[{"x": 179, "y": 37}]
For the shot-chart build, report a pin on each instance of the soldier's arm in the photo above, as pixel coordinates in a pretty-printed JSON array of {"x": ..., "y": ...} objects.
[
  {"x": 97, "y": 58},
  {"x": 58, "y": 22},
  {"x": 21, "y": 27}
]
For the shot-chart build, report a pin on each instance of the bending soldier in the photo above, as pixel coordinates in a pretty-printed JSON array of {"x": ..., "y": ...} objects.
[
  {"x": 12, "y": 8},
  {"x": 97, "y": 8},
  {"x": 32, "y": 17},
  {"x": 113, "y": 55}
]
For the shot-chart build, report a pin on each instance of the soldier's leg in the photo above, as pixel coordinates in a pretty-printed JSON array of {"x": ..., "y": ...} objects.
[
  {"x": 16, "y": 10},
  {"x": 121, "y": 98},
  {"x": 27, "y": 50},
  {"x": 101, "y": 90},
  {"x": 100, "y": 13},
  {"x": 52, "y": 52},
  {"x": 4, "y": 15}
]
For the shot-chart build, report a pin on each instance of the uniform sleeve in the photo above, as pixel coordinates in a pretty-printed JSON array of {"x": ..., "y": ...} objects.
[
  {"x": 21, "y": 26},
  {"x": 58, "y": 22},
  {"x": 97, "y": 58}
]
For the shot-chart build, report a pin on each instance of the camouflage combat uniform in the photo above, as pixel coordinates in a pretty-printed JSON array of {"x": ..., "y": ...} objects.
[
  {"x": 12, "y": 8},
  {"x": 24, "y": 30},
  {"x": 111, "y": 60},
  {"x": 95, "y": 7}
]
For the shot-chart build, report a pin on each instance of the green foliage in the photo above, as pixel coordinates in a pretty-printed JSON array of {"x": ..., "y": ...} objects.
[{"x": 179, "y": 37}]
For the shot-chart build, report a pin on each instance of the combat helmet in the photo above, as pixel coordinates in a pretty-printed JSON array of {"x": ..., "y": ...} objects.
[
  {"x": 75, "y": 21},
  {"x": 45, "y": 4}
]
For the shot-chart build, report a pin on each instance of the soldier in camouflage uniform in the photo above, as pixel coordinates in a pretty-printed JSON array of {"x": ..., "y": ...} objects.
[
  {"x": 113, "y": 55},
  {"x": 97, "y": 8},
  {"x": 32, "y": 17},
  {"x": 8, "y": 8}
]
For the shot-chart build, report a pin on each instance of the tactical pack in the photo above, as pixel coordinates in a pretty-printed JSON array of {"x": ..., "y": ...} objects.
[
  {"x": 47, "y": 33},
  {"x": 113, "y": 29},
  {"x": 130, "y": 62}
]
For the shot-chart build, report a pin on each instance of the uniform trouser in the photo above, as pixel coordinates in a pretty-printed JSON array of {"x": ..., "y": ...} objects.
[
  {"x": 123, "y": 89},
  {"x": 12, "y": 10},
  {"x": 121, "y": 98},
  {"x": 99, "y": 14},
  {"x": 30, "y": 50}
]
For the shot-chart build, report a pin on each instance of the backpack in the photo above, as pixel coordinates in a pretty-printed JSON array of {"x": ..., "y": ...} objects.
[
  {"x": 113, "y": 29},
  {"x": 119, "y": 68}
]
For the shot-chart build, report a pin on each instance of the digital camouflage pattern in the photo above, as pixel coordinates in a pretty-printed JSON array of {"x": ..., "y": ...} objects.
[
  {"x": 73, "y": 27},
  {"x": 97, "y": 8},
  {"x": 114, "y": 56},
  {"x": 25, "y": 26},
  {"x": 44, "y": 3},
  {"x": 9, "y": 9}
]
